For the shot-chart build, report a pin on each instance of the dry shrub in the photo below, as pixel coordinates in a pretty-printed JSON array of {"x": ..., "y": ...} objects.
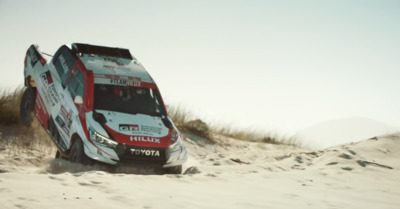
[
  {"x": 18, "y": 138},
  {"x": 13, "y": 134},
  {"x": 184, "y": 121},
  {"x": 247, "y": 135},
  {"x": 257, "y": 136},
  {"x": 179, "y": 115},
  {"x": 197, "y": 127},
  {"x": 9, "y": 106}
]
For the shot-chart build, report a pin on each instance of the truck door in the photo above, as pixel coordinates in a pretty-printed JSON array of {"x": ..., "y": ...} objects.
[
  {"x": 72, "y": 97},
  {"x": 62, "y": 114}
]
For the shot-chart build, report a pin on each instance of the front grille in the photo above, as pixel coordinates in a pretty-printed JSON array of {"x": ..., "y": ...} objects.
[{"x": 145, "y": 155}]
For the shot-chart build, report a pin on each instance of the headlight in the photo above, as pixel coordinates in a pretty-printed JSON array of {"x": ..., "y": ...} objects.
[
  {"x": 177, "y": 145},
  {"x": 102, "y": 140}
]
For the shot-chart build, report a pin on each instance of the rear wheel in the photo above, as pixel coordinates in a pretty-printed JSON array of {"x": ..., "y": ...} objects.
[
  {"x": 174, "y": 170},
  {"x": 58, "y": 155},
  {"x": 27, "y": 106},
  {"x": 51, "y": 127},
  {"x": 77, "y": 154}
]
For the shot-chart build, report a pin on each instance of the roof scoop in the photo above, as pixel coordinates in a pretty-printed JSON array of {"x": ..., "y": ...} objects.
[{"x": 102, "y": 51}]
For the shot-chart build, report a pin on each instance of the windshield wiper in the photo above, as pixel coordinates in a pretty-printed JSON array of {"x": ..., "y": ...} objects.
[
  {"x": 99, "y": 117},
  {"x": 158, "y": 114}
]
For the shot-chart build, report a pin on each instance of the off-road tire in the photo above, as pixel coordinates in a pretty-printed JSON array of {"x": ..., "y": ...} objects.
[
  {"x": 77, "y": 154},
  {"x": 174, "y": 170},
  {"x": 27, "y": 106},
  {"x": 58, "y": 155}
]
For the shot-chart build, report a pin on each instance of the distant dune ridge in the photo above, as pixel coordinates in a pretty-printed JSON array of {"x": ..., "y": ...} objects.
[{"x": 340, "y": 131}]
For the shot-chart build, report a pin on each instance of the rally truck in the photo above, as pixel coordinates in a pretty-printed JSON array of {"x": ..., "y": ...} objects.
[{"x": 99, "y": 104}]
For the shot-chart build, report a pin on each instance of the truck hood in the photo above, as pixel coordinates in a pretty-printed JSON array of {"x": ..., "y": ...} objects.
[{"x": 136, "y": 129}]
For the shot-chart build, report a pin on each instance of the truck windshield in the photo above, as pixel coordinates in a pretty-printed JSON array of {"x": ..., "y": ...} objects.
[{"x": 128, "y": 99}]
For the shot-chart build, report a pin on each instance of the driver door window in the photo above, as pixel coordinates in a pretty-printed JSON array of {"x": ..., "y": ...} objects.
[
  {"x": 63, "y": 61},
  {"x": 76, "y": 85}
]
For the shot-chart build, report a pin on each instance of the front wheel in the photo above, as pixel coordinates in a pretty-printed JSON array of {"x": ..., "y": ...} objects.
[
  {"x": 174, "y": 170},
  {"x": 27, "y": 106},
  {"x": 77, "y": 154}
]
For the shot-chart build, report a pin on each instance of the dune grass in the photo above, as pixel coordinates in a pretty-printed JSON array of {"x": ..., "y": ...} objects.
[
  {"x": 12, "y": 133},
  {"x": 257, "y": 136},
  {"x": 17, "y": 139},
  {"x": 9, "y": 106},
  {"x": 186, "y": 122}
]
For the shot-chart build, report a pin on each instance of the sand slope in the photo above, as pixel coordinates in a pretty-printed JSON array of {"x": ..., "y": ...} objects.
[{"x": 233, "y": 174}]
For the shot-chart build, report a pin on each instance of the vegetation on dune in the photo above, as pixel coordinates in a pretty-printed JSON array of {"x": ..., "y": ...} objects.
[
  {"x": 187, "y": 123},
  {"x": 12, "y": 133},
  {"x": 9, "y": 106},
  {"x": 257, "y": 136}
]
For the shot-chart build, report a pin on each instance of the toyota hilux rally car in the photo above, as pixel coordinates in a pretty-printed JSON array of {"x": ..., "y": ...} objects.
[{"x": 100, "y": 104}]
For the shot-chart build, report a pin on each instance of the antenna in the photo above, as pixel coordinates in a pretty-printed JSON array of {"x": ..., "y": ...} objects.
[{"x": 47, "y": 54}]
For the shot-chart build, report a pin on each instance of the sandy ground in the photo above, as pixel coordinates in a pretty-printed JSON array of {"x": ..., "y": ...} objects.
[{"x": 232, "y": 174}]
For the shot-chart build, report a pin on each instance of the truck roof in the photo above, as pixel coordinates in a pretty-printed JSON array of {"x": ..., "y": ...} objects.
[
  {"x": 107, "y": 61},
  {"x": 102, "y": 50}
]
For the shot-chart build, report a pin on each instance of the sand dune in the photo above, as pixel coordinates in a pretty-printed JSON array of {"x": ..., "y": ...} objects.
[{"x": 232, "y": 174}]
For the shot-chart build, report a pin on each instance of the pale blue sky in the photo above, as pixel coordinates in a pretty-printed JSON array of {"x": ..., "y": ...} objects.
[{"x": 274, "y": 65}]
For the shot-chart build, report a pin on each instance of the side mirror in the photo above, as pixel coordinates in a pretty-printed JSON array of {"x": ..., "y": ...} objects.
[{"x": 78, "y": 100}]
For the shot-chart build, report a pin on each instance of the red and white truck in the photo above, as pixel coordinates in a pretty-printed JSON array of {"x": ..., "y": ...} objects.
[{"x": 100, "y": 104}]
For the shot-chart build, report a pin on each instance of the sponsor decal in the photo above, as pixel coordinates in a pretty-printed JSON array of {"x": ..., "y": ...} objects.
[
  {"x": 145, "y": 139},
  {"x": 124, "y": 82},
  {"x": 142, "y": 129},
  {"x": 46, "y": 78},
  {"x": 128, "y": 127},
  {"x": 151, "y": 129},
  {"x": 145, "y": 152},
  {"x": 65, "y": 113},
  {"x": 67, "y": 118},
  {"x": 49, "y": 87},
  {"x": 62, "y": 124},
  {"x": 35, "y": 56},
  {"x": 63, "y": 63},
  {"x": 113, "y": 59},
  {"x": 40, "y": 105},
  {"x": 40, "y": 110},
  {"x": 118, "y": 80},
  {"x": 117, "y": 68}
]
